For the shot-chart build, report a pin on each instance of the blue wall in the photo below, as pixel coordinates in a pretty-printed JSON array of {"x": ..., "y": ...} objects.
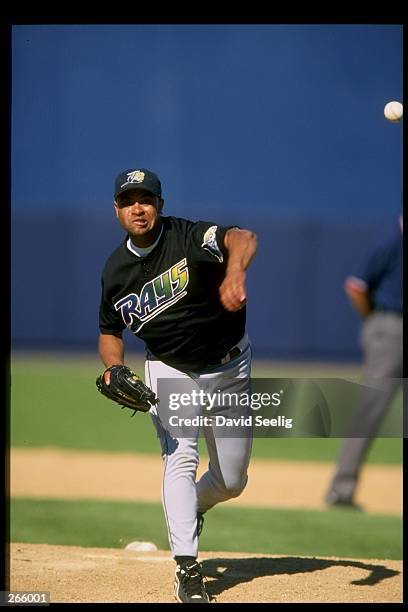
[
  {"x": 296, "y": 304},
  {"x": 277, "y": 128}
]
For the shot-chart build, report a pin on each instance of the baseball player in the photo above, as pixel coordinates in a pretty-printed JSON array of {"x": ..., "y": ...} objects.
[
  {"x": 179, "y": 286},
  {"x": 375, "y": 291}
]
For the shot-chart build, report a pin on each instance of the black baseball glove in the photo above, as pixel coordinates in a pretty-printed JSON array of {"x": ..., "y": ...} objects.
[{"x": 127, "y": 389}]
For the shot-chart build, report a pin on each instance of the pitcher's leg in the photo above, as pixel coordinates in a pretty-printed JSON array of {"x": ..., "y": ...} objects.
[
  {"x": 180, "y": 461},
  {"x": 226, "y": 476},
  {"x": 229, "y": 456}
]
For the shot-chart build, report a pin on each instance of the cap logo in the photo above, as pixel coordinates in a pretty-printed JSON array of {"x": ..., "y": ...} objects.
[{"x": 137, "y": 176}]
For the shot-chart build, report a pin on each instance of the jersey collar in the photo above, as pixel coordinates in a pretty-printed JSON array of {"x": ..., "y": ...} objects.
[{"x": 143, "y": 252}]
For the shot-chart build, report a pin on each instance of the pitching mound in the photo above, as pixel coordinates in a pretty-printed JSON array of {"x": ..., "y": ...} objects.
[{"x": 75, "y": 574}]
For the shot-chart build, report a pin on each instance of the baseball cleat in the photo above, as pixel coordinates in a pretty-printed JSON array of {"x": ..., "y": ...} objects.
[
  {"x": 189, "y": 585},
  {"x": 334, "y": 500},
  {"x": 200, "y": 523}
]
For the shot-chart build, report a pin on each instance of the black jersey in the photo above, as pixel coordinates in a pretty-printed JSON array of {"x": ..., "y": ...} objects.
[{"x": 170, "y": 297}]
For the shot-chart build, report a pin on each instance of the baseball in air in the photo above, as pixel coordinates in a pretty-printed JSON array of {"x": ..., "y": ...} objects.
[{"x": 393, "y": 111}]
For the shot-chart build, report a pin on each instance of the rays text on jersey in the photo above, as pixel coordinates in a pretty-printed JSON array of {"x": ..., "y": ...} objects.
[{"x": 157, "y": 295}]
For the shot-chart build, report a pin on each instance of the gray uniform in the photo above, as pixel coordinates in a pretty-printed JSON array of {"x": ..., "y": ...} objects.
[
  {"x": 226, "y": 475},
  {"x": 381, "y": 339},
  {"x": 178, "y": 285}
]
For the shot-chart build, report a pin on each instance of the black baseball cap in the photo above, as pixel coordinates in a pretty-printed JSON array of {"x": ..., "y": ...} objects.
[{"x": 139, "y": 178}]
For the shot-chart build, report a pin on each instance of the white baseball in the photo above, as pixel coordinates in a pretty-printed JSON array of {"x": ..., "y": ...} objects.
[{"x": 393, "y": 111}]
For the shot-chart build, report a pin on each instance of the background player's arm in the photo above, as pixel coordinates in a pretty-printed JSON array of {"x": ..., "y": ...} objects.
[
  {"x": 241, "y": 245},
  {"x": 359, "y": 296},
  {"x": 111, "y": 350}
]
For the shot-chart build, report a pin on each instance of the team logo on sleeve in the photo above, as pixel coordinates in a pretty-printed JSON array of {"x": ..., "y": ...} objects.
[
  {"x": 157, "y": 295},
  {"x": 210, "y": 243}
]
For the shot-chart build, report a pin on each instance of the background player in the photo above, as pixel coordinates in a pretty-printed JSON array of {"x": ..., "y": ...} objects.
[
  {"x": 375, "y": 291},
  {"x": 180, "y": 287}
]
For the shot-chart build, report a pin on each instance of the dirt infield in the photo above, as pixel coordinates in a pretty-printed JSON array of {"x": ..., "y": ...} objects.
[
  {"x": 70, "y": 474},
  {"x": 75, "y": 574}
]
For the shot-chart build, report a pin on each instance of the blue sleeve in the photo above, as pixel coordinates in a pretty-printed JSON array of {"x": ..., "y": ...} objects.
[{"x": 374, "y": 267}]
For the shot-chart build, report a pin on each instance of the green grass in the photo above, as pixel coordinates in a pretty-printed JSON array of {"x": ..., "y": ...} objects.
[
  {"x": 54, "y": 402},
  {"x": 382, "y": 450},
  {"x": 340, "y": 533}
]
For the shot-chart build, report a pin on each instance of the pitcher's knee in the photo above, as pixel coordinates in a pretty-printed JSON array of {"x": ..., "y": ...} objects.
[{"x": 234, "y": 487}]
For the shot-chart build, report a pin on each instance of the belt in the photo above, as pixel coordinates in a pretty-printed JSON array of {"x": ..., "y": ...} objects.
[
  {"x": 394, "y": 311},
  {"x": 236, "y": 350}
]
